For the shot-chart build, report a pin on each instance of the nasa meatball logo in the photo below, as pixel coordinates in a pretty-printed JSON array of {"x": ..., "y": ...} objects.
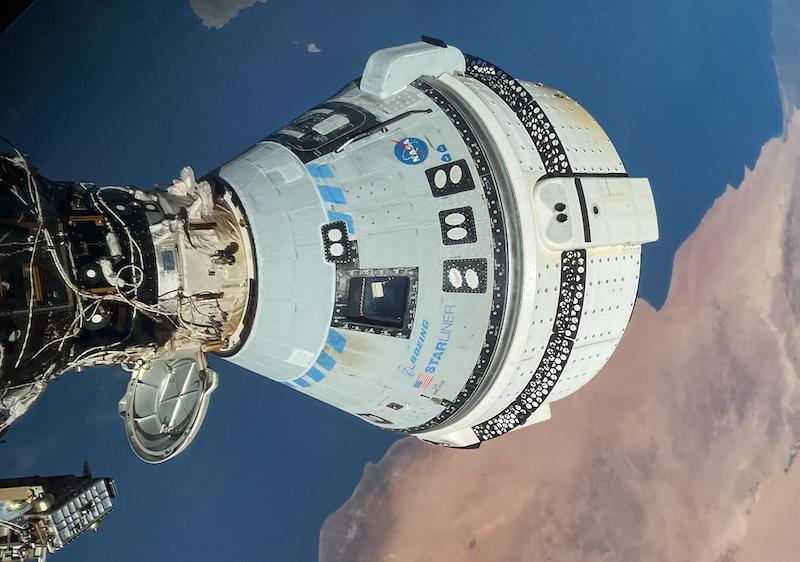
[{"x": 410, "y": 150}]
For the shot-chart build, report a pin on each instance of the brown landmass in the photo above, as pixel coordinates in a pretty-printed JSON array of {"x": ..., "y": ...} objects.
[
  {"x": 670, "y": 454},
  {"x": 772, "y": 530}
]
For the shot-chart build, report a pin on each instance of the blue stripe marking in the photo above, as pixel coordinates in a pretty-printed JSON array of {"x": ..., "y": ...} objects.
[
  {"x": 320, "y": 170},
  {"x": 333, "y": 216},
  {"x": 326, "y": 361},
  {"x": 332, "y": 194},
  {"x": 336, "y": 340},
  {"x": 315, "y": 374},
  {"x": 301, "y": 382}
]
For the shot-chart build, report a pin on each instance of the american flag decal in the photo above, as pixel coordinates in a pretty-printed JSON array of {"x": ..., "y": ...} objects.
[{"x": 423, "y": 381}]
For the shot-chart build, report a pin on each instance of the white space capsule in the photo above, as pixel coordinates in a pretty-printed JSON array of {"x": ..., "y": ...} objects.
[
  {"x": 439, "y": 249},
  {"x": 442, "y": 249}
]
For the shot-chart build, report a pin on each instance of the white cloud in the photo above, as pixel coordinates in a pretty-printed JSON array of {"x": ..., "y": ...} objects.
[
  {"x": 215, "y": 14},
  {"x": 312, "y": 48},
  {"x": 786, "y": 38}
]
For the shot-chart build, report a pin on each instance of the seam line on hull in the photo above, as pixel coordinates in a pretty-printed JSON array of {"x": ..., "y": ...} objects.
[{"x": 587, "y": 231}]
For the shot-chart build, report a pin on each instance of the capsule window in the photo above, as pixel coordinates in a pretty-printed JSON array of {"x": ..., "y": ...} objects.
[
  {"x": 378, "y": 301},
  {"x": 449, "y": 178},
  {"x": 458, "y": 226}
]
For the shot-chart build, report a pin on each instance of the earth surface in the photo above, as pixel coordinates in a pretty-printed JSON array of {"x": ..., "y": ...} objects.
[{"x": 678, "y": 450}]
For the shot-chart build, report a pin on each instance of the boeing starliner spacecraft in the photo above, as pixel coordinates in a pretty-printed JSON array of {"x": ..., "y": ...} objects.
[{"x": 440, "y": 249}]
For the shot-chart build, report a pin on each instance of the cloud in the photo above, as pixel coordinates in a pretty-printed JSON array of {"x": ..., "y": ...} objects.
[
  {"x": 312, "y": 48},
  {"x": 664, "y": 455},
  {"x": 215, "y": 14},
  {"x": 786, "y": 37}
]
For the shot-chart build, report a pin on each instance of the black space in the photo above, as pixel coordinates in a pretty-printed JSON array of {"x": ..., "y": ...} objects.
[{"x": 11, "y": 10}]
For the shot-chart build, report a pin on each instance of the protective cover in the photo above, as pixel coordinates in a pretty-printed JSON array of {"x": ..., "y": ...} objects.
[{"x": 165, "y": 404}]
